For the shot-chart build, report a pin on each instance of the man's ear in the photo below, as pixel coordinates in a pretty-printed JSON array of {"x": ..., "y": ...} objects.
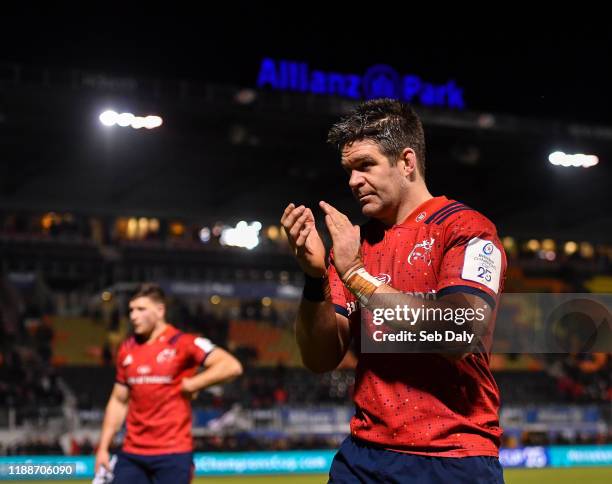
[{"x": 409, "y": 161}]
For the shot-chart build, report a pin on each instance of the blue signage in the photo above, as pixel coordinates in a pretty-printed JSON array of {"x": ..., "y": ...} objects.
[
  {"x": 289, "y": 462},
  {"x": 264, "y": 462},
  {"x": 580, "y": 456},
  {"x": 524, "y": 457},
  {"x": 378, "y": 81}
]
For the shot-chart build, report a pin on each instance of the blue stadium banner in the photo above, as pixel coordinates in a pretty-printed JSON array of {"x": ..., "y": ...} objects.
[
  {"x": 580, "y": 456},
  {"x": 285, "y": 462},
  {"x": 534, "y": 457}
]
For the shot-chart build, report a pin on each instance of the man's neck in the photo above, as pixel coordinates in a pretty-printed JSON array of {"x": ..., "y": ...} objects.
[
  {"x": 416, "y": 196},
  {"x": 158, "y": 330}
]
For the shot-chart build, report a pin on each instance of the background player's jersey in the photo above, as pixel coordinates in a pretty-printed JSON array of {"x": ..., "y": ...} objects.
[
  {"x": 159, "y": 416},
  {"x": 423, "y": 403}
]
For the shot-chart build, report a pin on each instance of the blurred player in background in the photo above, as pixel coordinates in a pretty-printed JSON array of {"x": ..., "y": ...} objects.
[{"x": 155, "y": 381}]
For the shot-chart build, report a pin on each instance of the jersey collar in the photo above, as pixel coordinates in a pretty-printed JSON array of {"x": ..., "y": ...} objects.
[{"x": 420, "y": 214}]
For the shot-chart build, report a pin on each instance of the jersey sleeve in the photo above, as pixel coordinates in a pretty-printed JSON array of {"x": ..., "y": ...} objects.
[
  {"x": 474, "y": 260},
  {"x": 197, "y": 348},
  {"x": 343, "y": 300},
  {"x": 121, "y": 365}
]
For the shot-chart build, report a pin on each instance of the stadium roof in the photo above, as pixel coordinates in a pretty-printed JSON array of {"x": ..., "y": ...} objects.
[{"x": 228, "y": 150}]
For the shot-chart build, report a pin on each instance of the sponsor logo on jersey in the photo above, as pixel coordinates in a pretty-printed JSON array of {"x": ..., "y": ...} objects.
[{"x": 150, "y": 380}]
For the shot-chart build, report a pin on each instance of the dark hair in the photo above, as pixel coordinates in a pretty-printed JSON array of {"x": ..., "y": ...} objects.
[
  {"x": 391, "y": 124},
  {"x": 150, "y": 290}
]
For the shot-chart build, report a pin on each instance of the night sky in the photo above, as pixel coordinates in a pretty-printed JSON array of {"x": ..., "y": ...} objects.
[{"x": 552, "y": 74}]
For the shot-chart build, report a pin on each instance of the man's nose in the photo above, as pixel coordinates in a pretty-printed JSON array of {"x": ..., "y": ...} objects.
[{"x": 356, "y": 179}]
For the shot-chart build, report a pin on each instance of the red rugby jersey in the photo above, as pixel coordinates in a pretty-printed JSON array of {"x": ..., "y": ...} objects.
[
  {"x": 423, "y": 403},
  {"x": 159, "y": 416}
]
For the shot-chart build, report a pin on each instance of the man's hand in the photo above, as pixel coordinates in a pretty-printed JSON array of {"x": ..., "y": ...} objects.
[
  {"x": 187, "y": 389},
  {"x": 346, "y": 239},
  {"x": 102, "y": 459},
  {"x": 307, "y": 246}
]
